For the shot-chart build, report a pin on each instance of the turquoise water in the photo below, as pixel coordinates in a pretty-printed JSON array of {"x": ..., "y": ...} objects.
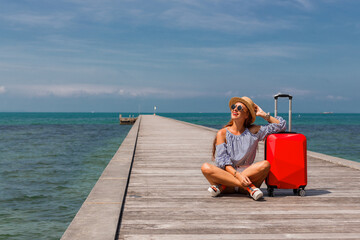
[{"x": 49, "y": 162}]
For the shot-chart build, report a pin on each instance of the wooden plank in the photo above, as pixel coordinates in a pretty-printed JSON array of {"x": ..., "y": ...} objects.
[
  {"x": 167, "y": 195},
  {"x": 226, "y": 236}
]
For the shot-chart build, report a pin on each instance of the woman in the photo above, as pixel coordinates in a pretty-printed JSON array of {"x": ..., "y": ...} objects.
[{"x": 235, "y": 148}]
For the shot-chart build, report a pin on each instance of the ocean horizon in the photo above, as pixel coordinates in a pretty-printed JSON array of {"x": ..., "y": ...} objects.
[{"x": 51, "y": 160}]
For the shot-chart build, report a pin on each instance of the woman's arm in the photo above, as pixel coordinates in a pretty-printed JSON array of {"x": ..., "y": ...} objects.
[
  {"x": 254, "y": 129},
  {"x": 221, "y": 136},
  {"x": 222, "y": 158},
  {"x": 244, "y": 180},
  {"x": 275, "y": 125},
  {"x": 259, "y": 112}
]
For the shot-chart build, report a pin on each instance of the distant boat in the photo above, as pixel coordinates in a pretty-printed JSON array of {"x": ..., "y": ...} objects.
[
  {"x": 327, "y": 112},
  {"x": 128, "y": 120}
]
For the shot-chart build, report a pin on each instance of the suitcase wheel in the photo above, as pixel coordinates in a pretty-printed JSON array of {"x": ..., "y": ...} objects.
[
  {"x": 270, "y": 192},
  {"x": 299, "y": 192}
]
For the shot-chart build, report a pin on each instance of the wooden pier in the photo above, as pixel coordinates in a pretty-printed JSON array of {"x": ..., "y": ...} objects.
[{"x": 153, "y": 189}]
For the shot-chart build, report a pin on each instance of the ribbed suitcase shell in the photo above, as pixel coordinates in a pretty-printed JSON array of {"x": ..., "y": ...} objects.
[{"x": 287, "y": 155}]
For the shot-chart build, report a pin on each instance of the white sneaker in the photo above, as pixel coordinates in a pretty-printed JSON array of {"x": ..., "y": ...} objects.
[
  {"x": 214, "y": 190},
  {"x": 256, "y": 194}
]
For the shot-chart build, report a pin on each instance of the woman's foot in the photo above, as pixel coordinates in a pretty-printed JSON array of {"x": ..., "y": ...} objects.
[
  {"x": 255, "y": 192},
  {"x": 215, "y": 190}
]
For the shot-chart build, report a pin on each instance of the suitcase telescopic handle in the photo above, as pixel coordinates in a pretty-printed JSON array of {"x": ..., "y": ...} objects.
[{"x": 290, "y": 105}]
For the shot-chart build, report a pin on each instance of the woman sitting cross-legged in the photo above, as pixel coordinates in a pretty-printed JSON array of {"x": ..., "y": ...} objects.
[{"x": 234, "y": 150}]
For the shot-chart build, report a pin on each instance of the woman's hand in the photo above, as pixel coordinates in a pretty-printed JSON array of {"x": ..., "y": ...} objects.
[
  {"x": 244, "y": 180},
  {"x": 259, "y": 112}
]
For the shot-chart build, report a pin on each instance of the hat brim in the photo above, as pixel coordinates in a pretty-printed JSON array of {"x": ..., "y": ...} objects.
[{"x": 247, "y": 104}]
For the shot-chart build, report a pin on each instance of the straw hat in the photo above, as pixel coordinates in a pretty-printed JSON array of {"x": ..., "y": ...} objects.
[{"x": 248, "y": 103}]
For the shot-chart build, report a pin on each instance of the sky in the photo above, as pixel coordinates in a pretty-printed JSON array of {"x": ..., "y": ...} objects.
[{"x": 178, "y": 55}]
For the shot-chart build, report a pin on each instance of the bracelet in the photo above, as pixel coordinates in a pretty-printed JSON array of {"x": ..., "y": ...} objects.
[{"x": 267, "y": 117}]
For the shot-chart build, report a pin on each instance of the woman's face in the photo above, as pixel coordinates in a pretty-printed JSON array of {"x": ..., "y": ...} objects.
[{"x": 238, "y": 111}]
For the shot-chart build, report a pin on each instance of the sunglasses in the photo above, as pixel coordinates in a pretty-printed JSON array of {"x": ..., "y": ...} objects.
[{"x": 238, "y": 107}]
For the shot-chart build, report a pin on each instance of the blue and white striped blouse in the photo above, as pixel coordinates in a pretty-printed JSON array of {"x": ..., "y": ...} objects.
[{"x": 240, "y": 150}]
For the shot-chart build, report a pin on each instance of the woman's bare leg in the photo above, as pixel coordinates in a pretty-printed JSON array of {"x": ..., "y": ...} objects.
[
  {"x": 257, "y": 172},
  {"x": 217, "y": 176}
]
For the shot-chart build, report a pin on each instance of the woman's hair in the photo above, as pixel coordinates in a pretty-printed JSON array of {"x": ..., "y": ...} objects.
[{"x": 247, "y": 124}]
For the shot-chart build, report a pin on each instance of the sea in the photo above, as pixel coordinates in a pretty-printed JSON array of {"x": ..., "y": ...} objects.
[{"x": 49, "y": 162}]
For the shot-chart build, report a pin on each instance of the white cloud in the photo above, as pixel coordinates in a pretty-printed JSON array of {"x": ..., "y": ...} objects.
[
  {"x": 239, "y": 16},
  {"x": 79, "y": 90},
  {"x": 258, "y": 50},
  {"x": 296, "y": 92},
  {"x": 213, "y": 19},
  {"x": 36, "y": 19},
  {"x": 305, "y": 4},
  {"x": 211, "y": 15},
  {"x": 156, "y": 92},
  {"x": 2, "y": 89},
  {"x": 62, "y": 90},
  {"x": 332, "y": 97}
]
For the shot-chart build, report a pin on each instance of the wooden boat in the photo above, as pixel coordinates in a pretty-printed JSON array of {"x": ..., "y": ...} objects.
[{"x": 127, "y": 120}]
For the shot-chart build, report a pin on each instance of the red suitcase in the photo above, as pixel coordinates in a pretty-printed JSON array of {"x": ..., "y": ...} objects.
[{"x": 287, "y": 155}]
